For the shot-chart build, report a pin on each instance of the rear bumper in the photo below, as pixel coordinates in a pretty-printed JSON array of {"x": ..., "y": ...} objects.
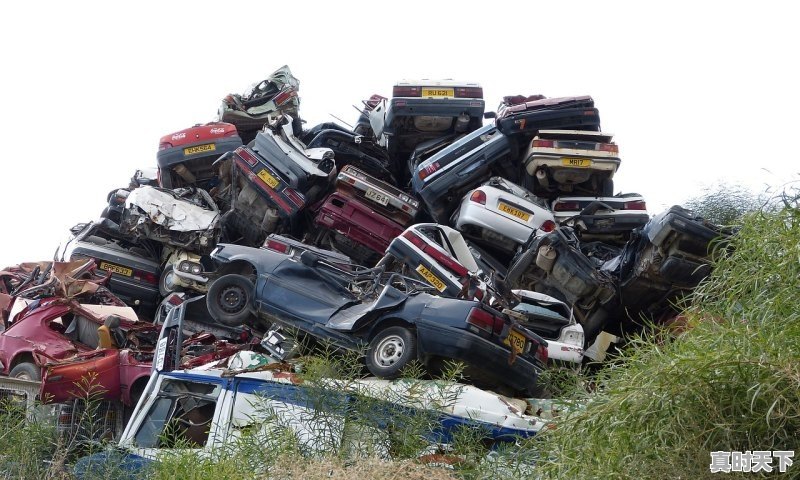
[
  {"x": 492, "y": 360},
  {"x": 609, "y": 224},
  {"x": 483, "y": 218},
  {"x": 444, "y": 107},
  {"x": 554, "y": 162},
  {"x": 358, "y": 222}
]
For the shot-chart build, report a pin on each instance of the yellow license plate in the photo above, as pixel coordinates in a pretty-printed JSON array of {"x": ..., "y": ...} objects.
[
  {"x": 431, "y": 278},
  {"x": 516, "y": 341},
  {"x": 576, "y": 162},
  {"x": 116, "y": 269},
  {"x": 437, "y": 92},
  {"x": 268, "y": 179},
  {"x": 516, "y": 212},
  {"x": 209, "y": 147}
]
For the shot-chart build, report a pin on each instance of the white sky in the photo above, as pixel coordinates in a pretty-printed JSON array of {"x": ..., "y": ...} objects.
[{"x": 696, "y": 92}]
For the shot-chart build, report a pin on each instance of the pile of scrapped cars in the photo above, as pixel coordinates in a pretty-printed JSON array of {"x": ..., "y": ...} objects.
[{"x": 431, "y": 230}]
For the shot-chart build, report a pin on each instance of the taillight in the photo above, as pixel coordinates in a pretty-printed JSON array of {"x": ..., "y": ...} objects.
[
  {"x": 469, "y": 92},
  {"x": 174, "y": 299},
  {"x": 295, "y": 197},
  {"x": 277, "y": 246},
  {"x": 543, "y": 143},
  {"x": 164, "y": 145},
  {"x": 541, "y": 353},
  {"x": 485, "y": 321},
  {"x": 438, "y": 256},
  {"x": 284, "y": 96},
  {"x": 548, "y": 226},
  {"x": 608, "y": 147},
  {"x": 404, "y": 91},
  {"x": 247, "y": 156},
  {"x": 423, "y": 174},
  {"x": 566, "y": 206},
  {"x": 145, "y": 277},
  {"x": 636, "y": 205},
  {"x": 478, "y": 196}
]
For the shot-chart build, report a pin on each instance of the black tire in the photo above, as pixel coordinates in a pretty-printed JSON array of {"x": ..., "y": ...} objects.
[
  {"x": 229, "y": 299},
  {"x": 165, "y": 285},
  {"x": 390, "y": 351},
  {"x": 26, "y": 371},
  {"x": 607, "y": 187}
]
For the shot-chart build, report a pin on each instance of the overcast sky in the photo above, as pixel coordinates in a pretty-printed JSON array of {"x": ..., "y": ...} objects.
[{"x": 695, "y": 92}]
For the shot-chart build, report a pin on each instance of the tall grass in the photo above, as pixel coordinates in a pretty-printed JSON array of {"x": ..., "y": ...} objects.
[{"x": 729, "y": 381}]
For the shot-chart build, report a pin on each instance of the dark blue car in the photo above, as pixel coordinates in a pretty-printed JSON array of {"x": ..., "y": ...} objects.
[{"x": 391, "y": 316}]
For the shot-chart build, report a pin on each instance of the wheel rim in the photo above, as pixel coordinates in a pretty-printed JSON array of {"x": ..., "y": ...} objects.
[
  {"x": 169, "y": 281},
  {"x": 232, "y": 299},
  {"x": 389, "y": 351}
]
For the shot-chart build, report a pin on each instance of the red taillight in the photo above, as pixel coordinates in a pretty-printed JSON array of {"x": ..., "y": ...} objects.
[
  {"x": 295, "y": 197},
  {"x": 608, "y": 147},
  {"x": 438, "y": 256},
  {"x": 543, "y": 144},
  {"x": 277, "y": 246},
  {"x": 164, "y": 145},
  {"x": 404, "y": 91},
  {"x": 541, "y": 353},
  {"x": 636, "y": 205},
  {"x": 174, "y": 299},
  {"x": 247, "y": 156},
  {"x": 478, "y": 196},
  {"x": 145, "y": 277},
  {"x": 284, "y": 96},
  {"x": 423, "y": 174},
  {"x": 566, "y": 206},
  {"x": 548, "y": 226},
  {"x": 485, "y": 321},
  {"x": 469, "y": 92}
]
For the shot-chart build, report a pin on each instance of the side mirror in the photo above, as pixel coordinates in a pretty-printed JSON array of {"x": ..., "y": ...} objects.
[
  {"x": 488, "y": 115},
  {"x": 309, "y": 259}
]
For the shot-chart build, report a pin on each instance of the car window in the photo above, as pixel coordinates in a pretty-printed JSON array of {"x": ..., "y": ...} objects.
[
  {"x": 541, "y": 311},
  {"x": 181, "y": 415}
]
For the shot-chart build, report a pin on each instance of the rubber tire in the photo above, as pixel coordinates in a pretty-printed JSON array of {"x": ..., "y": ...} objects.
[
  {"x": 399, "y": 335},
  {"x": 26, "y": 371},
  {"x": 232, "y": 284},
  {"x": 162, "y": 287},
  {"x": 607, "y": 187}
]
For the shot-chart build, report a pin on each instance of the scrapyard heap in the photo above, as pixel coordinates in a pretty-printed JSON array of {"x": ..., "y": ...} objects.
[{"x": 422, "y": 233}]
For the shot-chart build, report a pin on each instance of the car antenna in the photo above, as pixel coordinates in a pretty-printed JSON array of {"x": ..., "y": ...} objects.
[{"x": 337, "y": 118}]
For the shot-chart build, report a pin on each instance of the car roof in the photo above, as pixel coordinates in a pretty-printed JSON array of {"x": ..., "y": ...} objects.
[{"x": 446, "y": 82}]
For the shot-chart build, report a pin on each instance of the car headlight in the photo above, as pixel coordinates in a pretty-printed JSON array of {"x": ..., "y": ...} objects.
[{"x": 190, "y": 267}]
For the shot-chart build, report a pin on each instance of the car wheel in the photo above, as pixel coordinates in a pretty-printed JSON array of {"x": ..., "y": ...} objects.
[
  {"x": 167, "y": 283},
  {"x": 229, "y": 299},
  {"x": 390, "y": 351},
  {"x": 26, "y": 371},
  {"x": 607, "y": 188}
]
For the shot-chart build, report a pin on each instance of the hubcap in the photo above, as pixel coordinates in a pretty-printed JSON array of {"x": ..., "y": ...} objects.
[
  {"x": 389, "y": 351},
  {"x": 232, "y": 299},
  {"x": 169, "y": 281}
]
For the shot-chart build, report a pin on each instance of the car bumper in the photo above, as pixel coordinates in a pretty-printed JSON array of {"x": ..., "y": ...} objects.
[
  {"x": 565, "y": 352},
  {"x": 479, "y": 216},
  {"x": 134, "y": 293},
  {"x": 609, "y": 224},
  {"x": 445, "y": 107},
  {"x": 489, "y": 358},
  {"x": 558, "y": 162}
]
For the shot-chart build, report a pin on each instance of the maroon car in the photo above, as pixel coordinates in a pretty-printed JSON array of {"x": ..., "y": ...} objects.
[
  {"x": 354, "y": 228},
  {"x": 54, "y": 330}
]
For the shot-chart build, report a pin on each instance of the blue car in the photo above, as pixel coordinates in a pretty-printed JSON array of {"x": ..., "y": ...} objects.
[{"x": 393, "y": 317}]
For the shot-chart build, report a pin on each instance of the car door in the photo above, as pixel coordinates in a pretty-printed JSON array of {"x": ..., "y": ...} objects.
[{"x": 92, "y": 374}]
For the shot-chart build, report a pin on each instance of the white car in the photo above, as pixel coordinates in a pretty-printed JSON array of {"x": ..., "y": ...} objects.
[
  {"x": 502, "y": 215},
  {"x": 571, "y": 161},
  {"x": 602, "y": 217},
  {"x": 554, "y": 321},
  {"x": 436, "y": 254}
]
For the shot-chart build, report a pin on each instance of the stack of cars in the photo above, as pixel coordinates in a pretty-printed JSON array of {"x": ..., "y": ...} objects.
[{"x": 432, "y": 231}]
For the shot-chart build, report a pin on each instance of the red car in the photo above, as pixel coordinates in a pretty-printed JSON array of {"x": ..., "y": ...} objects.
[
  {"x": 186, "y": 157},
  {"x": 53, "y": 330}
]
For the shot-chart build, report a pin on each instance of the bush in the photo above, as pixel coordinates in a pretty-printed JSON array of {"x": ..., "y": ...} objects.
[{"x": 729, "y": 381}]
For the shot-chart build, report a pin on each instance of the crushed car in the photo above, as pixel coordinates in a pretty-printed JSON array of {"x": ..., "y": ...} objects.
[
  {"x": 391, "y": 316},
  {"x": 185, "y": 158}
]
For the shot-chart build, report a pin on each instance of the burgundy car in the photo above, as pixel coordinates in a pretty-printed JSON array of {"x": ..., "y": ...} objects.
[{"x": 53, "y": 330}]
